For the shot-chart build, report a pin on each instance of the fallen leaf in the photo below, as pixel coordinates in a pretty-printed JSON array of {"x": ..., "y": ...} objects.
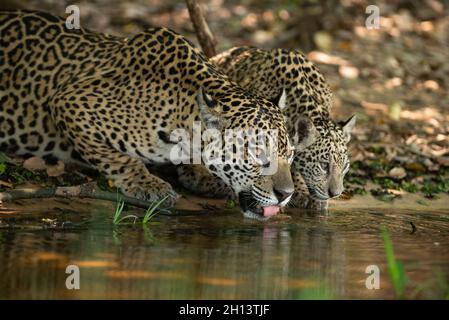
[
  {"x": 394, "y": 111},
  {"x": 34, "y": 163},
  {"x": 444, "y": 161},
  {"x": 348, "y": 72},
  {"x": 323, "y": 40},
  {"x": 6, "y": 184},
  {"x": 397, "y": 173},
  {"x": 415, "y": 166},
  {"x": 56, "y": 170}
]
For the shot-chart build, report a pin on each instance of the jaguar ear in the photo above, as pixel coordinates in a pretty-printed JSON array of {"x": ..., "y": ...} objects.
[
  {"x": 280, "y": 100},
  {"x": 208, "y": 110},
  {"x": 305, "y": 133},
  {"x": 347, "y": 127}
]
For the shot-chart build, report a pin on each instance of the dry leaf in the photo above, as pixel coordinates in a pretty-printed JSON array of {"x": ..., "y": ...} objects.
[
  {"x": 56, "y": 170},
  {"x": 6, "y": 184},
  {"x": 34, "y": 163},
  {"x": 348, "y": 72},
  {"x": 397, "y": 173}
]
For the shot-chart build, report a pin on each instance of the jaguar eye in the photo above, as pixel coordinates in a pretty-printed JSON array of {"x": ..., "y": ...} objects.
[
  {"x": 324, "y": 166},
  {"x": 266, "y": 164},
  {"x": 261, "y": 160}
]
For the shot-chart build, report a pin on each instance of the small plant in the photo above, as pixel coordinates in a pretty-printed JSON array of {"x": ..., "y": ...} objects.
[
  {"x": 2, "y": 167},
  {"x": 438, "y": 286},
  {"x": 395, "y": 268},
  {"x": 151, "y": 211},
  {"x": 314, "y": 289},
  {"x": 230, "y": 204},
  {"x": 409, "y": 187},
  {"x": 383, "y": 195},
  {"x": 118, "y": 212},
  {"x": 432, "y": 187}
]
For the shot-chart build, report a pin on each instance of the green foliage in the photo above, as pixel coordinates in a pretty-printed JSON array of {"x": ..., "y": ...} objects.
[
  {"x": 443, "y": 284},
  {"x": 376, "y": 165},
  {"x": 118, "y": 219},
  {"x": 438, "y": 286},
  {"x": 18, "y": 174},
  {"x": 355, "y": 165},
  {"x": 387, "y": 183},
  {"x": 355, "y": 180},
  {"x": 2, "y": 167},
  {"x": 230, "y": 204},
  {"x": 422, "y": 202},
  {"x": 151, "y": 211},
  {"x": 409, "y": 187},
  {"x": 383, "y": 195},
  {"x": 395, "y": 268},
  {"x": 433, "y": 187},
  {"x": 359, "y": 191},
  {"x": 4, "y": 158},
  {"x": 376, "y": 149}
]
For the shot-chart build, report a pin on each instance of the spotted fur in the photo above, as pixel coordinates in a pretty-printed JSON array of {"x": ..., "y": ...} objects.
[
  {"x": 321, "y": 158},
  {"x": 113, "y": 103}
]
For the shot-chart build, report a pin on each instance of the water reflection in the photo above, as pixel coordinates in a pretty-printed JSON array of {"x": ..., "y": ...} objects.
[{"x": 217, "y": 256}]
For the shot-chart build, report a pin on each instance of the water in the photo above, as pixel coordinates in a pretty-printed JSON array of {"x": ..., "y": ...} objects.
[{"x": 217, "y": 256}]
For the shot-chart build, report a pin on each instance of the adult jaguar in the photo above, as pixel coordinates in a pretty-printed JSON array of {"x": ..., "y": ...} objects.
[
  {"x": 289, "y": 79},
  {"x": 114, "y": 102}
]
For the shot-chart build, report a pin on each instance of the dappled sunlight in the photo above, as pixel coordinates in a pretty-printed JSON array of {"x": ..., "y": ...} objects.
[
  {"x": 141, "y": 274},
  {"x": 95, "y": 264},
  {"x": 222, "y": 282},
  {"x": 431, "y": 115},
  {"x": 425, "y": 114},
  {"x": 325, "y": 58},
  {"x": 374, "y": 108},
  {"x": 47, "y": 256},
  {"x": 292, "y": 283}
]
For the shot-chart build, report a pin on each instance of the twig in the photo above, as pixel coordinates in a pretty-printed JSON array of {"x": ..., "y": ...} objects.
[
  {"x": 413, "y": 228},
  {"x": 205, "y": 36},
  {"x": 88, "y": 190}
]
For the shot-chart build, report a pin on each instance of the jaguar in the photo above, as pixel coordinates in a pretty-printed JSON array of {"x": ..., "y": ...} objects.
[{"x": 113, "y": 103}]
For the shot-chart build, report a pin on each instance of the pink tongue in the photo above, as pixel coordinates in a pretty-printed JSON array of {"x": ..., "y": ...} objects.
[{"x": 270, "y": 211}]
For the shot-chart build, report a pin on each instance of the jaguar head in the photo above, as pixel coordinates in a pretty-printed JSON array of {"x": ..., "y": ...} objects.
[
  {"x": 246, "y": 144},
  {"x": 322, "y": 155}
]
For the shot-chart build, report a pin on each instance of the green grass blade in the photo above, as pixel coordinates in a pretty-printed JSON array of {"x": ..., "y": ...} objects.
[
  {"x": 127, "y": 217},
  {"x": 151, "y": 211},
  {"x": 118, "y": 211},
  {"x": 4, "y": 158},
  {"x": 395, "y": 268}
]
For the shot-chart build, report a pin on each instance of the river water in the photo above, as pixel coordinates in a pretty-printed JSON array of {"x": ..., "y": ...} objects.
[{"x": 219, "y": 255}]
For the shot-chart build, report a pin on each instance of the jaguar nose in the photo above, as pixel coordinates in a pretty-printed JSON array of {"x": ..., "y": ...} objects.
[
  {"x": 281, "y": 195},
  {"x": 333, "y": 193}
]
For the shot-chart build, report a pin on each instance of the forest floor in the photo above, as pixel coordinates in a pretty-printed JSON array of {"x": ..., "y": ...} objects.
[{"x": 395, "y": 78}]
